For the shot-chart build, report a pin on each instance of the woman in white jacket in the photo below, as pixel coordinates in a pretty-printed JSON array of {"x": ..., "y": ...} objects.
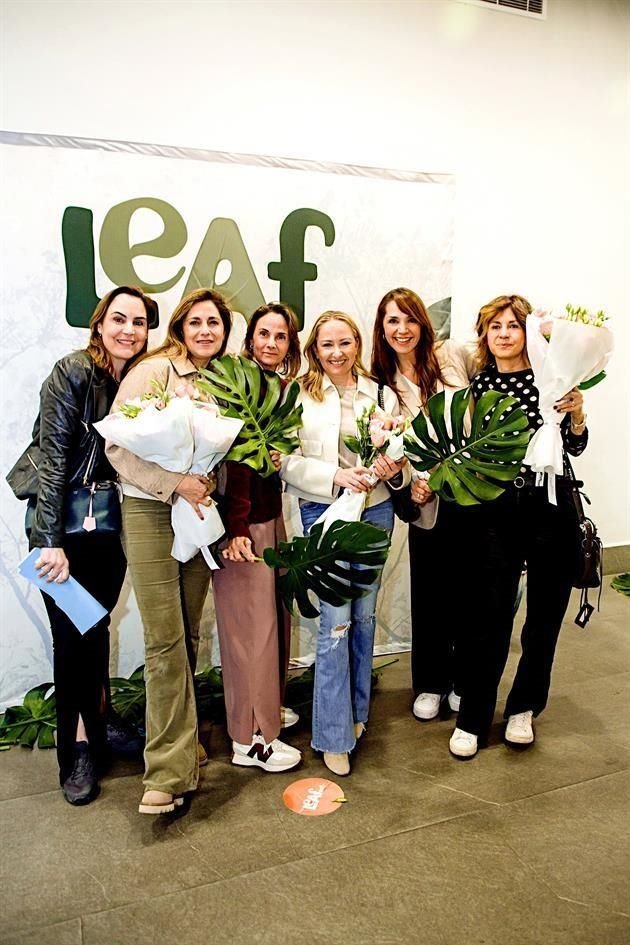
[{"x": 334, "y": 391}]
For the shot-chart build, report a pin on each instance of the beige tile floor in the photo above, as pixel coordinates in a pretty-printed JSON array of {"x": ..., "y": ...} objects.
[{"x": 512, "y": 848}]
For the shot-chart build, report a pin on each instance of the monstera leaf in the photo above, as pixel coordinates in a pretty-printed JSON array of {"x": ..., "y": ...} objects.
[
  {"x": 33, "y": 721},
  {"x": 271, "y": 420},
  {"x": 129, "y": 696},
  {"x": 468, "y": 469},
  {"x": 325, "y": 562}
]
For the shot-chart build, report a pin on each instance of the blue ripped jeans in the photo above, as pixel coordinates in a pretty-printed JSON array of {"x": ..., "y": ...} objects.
[{"x": 345, "y": 645}]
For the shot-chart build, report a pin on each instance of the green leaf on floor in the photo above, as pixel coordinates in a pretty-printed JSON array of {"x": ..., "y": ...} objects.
[
  {"x": 621, "y": 583},
  {"x": 33, "y": 722}
]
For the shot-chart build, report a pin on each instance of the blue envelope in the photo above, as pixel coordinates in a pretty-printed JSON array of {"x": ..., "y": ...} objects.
[{"x": 71, "y": 597}]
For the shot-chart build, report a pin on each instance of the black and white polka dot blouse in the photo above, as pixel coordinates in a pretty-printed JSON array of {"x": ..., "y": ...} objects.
[{"x": 520, "y": 385}]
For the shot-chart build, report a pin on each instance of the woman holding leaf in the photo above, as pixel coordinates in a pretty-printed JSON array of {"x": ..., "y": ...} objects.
[
  {"x": 335, "y": 392},
  {"x": 408, "y": 358},
  {"x": 521, "y": 526},
  {"x": 255, "y": 636},
  {"x": 170, "y": 594}
]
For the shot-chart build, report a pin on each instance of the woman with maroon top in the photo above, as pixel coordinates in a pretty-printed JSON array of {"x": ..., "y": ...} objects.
[{"x": 254, "y": 639}]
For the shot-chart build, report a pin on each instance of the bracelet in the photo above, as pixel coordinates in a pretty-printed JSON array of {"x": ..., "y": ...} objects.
[{"x": 578, "y": 427}]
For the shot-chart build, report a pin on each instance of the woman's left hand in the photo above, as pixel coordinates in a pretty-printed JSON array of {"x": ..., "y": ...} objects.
[
  {"x": 386, "y": 468},
  {"x": 239, "y": 549},
  {"x": 276, "y": 459},
  {"x": 572, "y": 403}
]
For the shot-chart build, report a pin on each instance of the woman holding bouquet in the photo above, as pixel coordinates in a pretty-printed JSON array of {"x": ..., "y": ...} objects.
[
  {"x": 407, "y": 357},
  {"x": 334, "y": 392},
  {"x": 67, "y": 454},
  {"x": 170, "y": 594},
  {"x": 255, "y": 636},
  {"x": 520, "y": 527}
]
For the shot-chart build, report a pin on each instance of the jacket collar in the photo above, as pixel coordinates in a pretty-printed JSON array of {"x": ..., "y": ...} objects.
[
  {"x": 183, "y": 366},
  {"x": 364, "y": 385}
]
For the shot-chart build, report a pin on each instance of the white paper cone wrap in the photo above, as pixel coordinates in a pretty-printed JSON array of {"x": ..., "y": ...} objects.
[
  {"x": 192, "y": 534},
  {"x": 347, "y": 508}
]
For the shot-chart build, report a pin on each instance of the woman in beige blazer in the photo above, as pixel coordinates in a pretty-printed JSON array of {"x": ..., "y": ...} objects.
[
  {"x": 170, "y": 595},
  {"x": 407, "y": 356}
]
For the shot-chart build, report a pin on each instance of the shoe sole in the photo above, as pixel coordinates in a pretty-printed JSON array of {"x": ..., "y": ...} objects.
[
  {"x": 289, "y": 724},
  {"x": 425, "y": 718},
  {"x": 463, "y": 757},
  {"x": 246, "y": 762},
  {"x": 519, "y": 744}
]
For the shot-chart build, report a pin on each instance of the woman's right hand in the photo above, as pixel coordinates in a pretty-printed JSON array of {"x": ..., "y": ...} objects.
[
  {"x": 53, "y": 565},
  {"x": 353, "y": 478},
  {"x": 196, "y": 490},
  {"x": 239, "y": 549},
  {"x": 421, "y": 492}
]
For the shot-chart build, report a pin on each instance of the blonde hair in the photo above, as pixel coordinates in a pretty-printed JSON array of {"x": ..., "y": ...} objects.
[
  {"x": 312, "y": 382},
  {"x": 487, "y": 313}
]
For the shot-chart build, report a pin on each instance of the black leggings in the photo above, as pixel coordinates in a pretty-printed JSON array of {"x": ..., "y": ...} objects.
[
  {"x": 81, "y": 662},
  {"x": 520, "y": 527}
]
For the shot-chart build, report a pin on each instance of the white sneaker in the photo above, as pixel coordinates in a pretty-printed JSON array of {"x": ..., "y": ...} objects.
[
  {"x": 288, "y": 717},
  {"x": 272, "y": 756},
  {"x": 427, "y": 705},
  {"x": 454, "y": 701},
  {"x": 463, "y": 744},
  {"x": 519, "y": 729}
]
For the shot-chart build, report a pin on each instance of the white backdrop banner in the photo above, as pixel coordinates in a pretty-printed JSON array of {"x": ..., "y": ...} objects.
[{"x": 82, "y": 215}]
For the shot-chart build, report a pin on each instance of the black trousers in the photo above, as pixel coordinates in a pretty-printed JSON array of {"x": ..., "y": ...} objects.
[
  {"x": 437, "y": 604},
  {"x": 81, "y": 662},
  {"x": 520, "y": 527}
]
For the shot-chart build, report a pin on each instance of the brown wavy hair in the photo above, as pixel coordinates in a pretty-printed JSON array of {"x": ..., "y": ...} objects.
[
  {"x": 293, "y": 360},
  {"x": 384, "y": 360},
  {"x": 174, "y": 345},
  {"x": 312, "y": 381},
  {"x": 487, "y": 313},
  {"x": 95, "y": 346}
]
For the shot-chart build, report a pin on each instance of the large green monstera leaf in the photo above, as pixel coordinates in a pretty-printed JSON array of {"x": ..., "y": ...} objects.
[
  {"x": 469, "y": 468},
  {"x": 33, "y": 722},
  {"x": 270, "y": 419},
  {"x": 324, "y": 562}
]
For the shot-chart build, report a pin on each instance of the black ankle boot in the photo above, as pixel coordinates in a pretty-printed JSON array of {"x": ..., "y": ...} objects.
[{"x": 82, "y": 785}]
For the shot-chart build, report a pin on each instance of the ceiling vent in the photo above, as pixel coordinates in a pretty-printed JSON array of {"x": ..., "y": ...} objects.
[{"x": 534, "y": 8}]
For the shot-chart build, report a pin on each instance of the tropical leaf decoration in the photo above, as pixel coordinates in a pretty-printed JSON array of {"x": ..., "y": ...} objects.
[
  {"x": 271, "y": 418},
  {"x": 621, "y": 583},
  {"x": 469, "y": 468},
  {"x": 324, "y": 563},
  {"x": 32, "y": 722},
  {"x": 129, "y": 696}
]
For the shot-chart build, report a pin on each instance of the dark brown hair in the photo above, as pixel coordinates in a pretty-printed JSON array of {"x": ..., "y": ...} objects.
[
  {"x": 384, "y": 360},
  {"x": 293, "y": 360},
  {"x": 488, "y": 313},
  {"x": 95, "y": 346}
]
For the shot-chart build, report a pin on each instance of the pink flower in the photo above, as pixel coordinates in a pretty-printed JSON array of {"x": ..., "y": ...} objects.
[{"x": 377, "y": 433}]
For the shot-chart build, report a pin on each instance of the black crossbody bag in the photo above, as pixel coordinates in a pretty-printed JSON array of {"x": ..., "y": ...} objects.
[{"x": 589, "y": 551}]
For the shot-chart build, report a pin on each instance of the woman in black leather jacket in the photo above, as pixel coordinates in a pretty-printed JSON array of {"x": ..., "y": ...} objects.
[{"x": 67, "y": 453}]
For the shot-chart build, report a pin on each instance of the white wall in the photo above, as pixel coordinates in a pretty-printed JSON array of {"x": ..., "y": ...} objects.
[{"x": 531, "y": 115}]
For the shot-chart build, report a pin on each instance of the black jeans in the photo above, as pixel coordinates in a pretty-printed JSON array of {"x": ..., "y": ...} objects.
[
  {"x": 436, "y": 601},
  {"x": 81, "y": 662},
  {"x": 520, "y": 527}
]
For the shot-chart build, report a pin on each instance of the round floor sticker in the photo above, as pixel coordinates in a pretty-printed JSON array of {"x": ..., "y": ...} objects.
[{"x": 313, "y": 797}]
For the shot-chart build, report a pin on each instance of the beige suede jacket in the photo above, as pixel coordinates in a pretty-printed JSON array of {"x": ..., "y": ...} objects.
[{"x": 148, "y": 478}]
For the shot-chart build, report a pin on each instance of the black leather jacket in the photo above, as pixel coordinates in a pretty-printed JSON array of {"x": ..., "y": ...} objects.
[{"x": 66, "y": 452}]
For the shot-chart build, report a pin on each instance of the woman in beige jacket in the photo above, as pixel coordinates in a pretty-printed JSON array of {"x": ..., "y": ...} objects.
[
  {"x": 170, "y": 595},
  {"x": 407, "y": 356}
]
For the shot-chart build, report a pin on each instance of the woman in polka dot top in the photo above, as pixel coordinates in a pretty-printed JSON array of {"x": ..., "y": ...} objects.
[{"x": 519, "y": 528}]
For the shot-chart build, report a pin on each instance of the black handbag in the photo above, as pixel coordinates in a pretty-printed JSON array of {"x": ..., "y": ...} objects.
[
  {"x": 589, "y": 551},
  {"x": 93, "y": 508}
]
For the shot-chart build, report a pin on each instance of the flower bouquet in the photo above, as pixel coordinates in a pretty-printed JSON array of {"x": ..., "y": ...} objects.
[
  {"x": 564, "y": 353},
  {"x": 181, "y": 434},
  {"x": 377, "y": 433}
]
